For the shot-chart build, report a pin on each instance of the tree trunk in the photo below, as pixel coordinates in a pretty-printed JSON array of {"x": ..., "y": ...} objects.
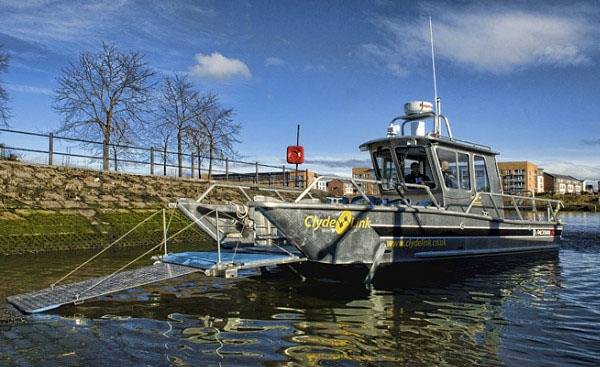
[
  {"x": 105, "y": 149},
  {"x": 180, "y": 154}
]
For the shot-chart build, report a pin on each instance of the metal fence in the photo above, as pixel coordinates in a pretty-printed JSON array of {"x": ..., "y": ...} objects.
[{"x": 51, "y": 149}]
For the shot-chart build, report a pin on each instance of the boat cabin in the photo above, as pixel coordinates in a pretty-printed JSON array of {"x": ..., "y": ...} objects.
[{"x": 410, "y": 165}]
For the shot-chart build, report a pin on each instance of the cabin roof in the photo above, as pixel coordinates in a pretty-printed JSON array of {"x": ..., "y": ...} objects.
[{"x": 431, "y": 139}]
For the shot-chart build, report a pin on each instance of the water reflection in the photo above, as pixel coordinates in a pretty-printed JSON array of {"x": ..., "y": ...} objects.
[{"x": 543, "y": 312}]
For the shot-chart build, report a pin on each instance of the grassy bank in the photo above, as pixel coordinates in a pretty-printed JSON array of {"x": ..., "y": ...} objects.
[
  {"x": 33, "y": 231},
  {"x": 584, "y": 202}
]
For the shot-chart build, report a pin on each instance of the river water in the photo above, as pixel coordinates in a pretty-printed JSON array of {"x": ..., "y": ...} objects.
[{"x": 517, "y": 313}]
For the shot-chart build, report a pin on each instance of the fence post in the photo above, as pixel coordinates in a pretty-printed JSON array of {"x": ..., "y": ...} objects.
[
  {"x": 256, "y": 176},
  {"x": 151, "y": 160},
  {"x": 226, "y": 169},
  {"x": 283, "y": 180},
  {"x": 165, "y": 161},
  {"x": 306, "y": 178},
  {"x": 193, "y": 164},
  {"x": 50, "y": 148},
  {"x": 199, "y": 167}
]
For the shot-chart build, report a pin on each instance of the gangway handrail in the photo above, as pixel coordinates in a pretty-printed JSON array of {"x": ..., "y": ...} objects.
[
  {"x": 105, "y": 249},
  {"x": 243, "y": 189},
  {"x": 164, "y": 241},
  {"x": 361, "y": 192},
  {"x": 552, "y": 212}
]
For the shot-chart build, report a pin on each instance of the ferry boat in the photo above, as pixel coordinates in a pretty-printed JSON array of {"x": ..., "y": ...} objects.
[{"x": 440, "y": 198}]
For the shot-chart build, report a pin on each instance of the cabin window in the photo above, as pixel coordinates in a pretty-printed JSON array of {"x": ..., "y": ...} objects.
[
  {"x": 415, "y": 166},
  {"x": 386, "y": 169},
  {"x": 455, "y": 169},
  {"x": 482, "y": 181}
]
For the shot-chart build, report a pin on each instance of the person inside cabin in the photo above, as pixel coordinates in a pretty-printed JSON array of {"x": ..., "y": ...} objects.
[
  {"x": 449, "y": 178},
  {"x": 415, "y": 176}
]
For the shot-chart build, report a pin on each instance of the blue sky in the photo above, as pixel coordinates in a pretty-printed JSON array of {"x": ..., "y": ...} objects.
[{"x": 521, "y": 76}]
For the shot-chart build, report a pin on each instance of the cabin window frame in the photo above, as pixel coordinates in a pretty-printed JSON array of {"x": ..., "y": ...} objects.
[
  {"x": 430, "y": 161},
  {"x": 378, "y": 171},
  {"x": 487, "y": 175},
  {"x": 469, "y": 166}
]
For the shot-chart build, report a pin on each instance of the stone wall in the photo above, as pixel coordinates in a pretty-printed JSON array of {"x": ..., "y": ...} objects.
[{"x": 49, "y": 208}]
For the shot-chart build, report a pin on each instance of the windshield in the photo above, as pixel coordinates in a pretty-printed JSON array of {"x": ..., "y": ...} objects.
[
  {"x": 415, "y": 166},
  {"x": 386, "y": 169}
]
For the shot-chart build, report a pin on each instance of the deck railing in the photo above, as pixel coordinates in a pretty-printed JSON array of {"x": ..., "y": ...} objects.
[{"x": 548, "y": 209}]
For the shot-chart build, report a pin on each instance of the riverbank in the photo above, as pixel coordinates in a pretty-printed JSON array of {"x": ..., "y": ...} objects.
[
  {"x": 577, "y": 203},
  {"x": 49, "y": 208}
]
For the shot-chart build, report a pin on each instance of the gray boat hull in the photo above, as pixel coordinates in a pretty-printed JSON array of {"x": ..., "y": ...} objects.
[{"x": 351, "y": 234}]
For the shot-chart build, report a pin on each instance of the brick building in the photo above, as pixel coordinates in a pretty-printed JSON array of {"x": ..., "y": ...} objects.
[
  {"x": 562, "y": 184},
  {"x": 340, "y": 188},
  {"x": 366, "y": 173}
]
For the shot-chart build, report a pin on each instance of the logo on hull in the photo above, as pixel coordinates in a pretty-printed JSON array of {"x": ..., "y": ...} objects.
[{"x": 341, "y": 224}]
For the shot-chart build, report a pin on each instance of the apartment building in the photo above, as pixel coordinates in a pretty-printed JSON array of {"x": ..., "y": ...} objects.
[
  {"x": 340, "y": 188},
  {"x": 365, "y": 173},
  {"x": 562, "y": 184},
  {"x": 521, "y": 177}
]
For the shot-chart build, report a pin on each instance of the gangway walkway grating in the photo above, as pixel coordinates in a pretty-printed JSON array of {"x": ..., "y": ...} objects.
[
  {"x": 51, "y": 298},
  {"x": 172, "y": 266}
]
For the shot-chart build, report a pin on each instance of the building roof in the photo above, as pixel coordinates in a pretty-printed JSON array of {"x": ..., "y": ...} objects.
[{"x": 556, "y": 175}]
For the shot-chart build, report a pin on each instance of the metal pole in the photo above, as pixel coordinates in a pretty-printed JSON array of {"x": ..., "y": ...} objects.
[
  {"x": 165, "y": 161},
  {"x": 193, "y": 165},
  {"x": 151, "y": 160},
  {"x": 199, "y": 167},
  {"x": 256, "y": 175},
  {"x": 218, "y": 240},
  {"x": 50, "y": 148},
  {"x": 283, "y": 177},
  {"x": 306, "y": 178},
  {"x": 297, "y": 143},
  {"x": 165, "y": 230},
  {"x": 226, "y": 169}
]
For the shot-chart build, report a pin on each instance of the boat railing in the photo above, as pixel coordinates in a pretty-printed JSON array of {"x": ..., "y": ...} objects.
[
  {"x": 516, "y": 203},
  {"x": 356, "y": 184},
  {"x": 446, "y": 122},
  {"x": 244, "y": 190}
]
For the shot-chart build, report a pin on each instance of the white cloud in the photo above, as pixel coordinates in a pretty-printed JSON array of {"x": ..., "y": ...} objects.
[
  {"x": 217, "y": 66},
  {"x": 314, "y": 67},
  {"x": 580, "y": 170},
  {"x": 486, "y": 40},
  {"x": 28, "y": 89},
  {"x": 274, "y": 61}
]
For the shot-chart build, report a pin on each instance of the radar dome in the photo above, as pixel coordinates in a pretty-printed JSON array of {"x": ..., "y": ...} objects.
[{"x": 417, "y": 107}]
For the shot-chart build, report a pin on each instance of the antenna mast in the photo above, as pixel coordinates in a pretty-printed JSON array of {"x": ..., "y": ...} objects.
[{"x": 435, "y": 95}]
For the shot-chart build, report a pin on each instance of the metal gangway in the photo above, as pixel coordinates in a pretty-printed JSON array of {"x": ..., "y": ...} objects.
[{"x": 223, "y": 263}]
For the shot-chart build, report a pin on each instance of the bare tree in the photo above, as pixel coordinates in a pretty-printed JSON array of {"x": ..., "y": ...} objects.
[
  {"x": 162, "y": 136},
  {"x": 4, "y": 110},
  {"x": 177, "y": 109},
  {"x": 215, "y": 124},
  {"x": 121, "y": 139},
  {"x": 102, "y": 93},
  {"x": 197, "y": 145}
]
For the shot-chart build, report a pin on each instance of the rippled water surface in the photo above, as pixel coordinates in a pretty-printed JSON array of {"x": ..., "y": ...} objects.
[{"x": 540, "y": 312}]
